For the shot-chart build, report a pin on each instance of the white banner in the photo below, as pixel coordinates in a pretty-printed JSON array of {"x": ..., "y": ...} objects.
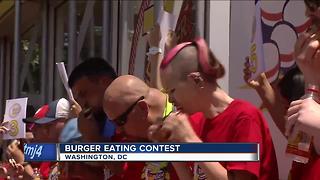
[
  {"x": 15, "y": 111},
  {"x": 64, "y": 78},
  {"x": 256, "y": 54}
]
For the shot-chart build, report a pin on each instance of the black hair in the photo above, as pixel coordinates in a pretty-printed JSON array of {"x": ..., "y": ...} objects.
[
  {"x": 312, "y": 4},
  {"x": 91, "y": 67},
  {"x": 292, "y": 85}
]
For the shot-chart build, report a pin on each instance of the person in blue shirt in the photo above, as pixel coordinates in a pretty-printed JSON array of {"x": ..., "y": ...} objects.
[{"x": 88, "y": 82}]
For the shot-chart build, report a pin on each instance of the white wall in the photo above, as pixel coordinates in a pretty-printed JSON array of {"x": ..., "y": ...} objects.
[{"x": 218, "y": 36}]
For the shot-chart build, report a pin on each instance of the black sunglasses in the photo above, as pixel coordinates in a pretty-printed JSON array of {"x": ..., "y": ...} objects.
[{"x": 122, "y": 119}]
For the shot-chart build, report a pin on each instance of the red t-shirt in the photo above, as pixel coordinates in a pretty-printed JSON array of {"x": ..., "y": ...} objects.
[
  {"x": 197, "y": 122},
  {"x": 44, "y": 168},
  {"x": 242, "y": 122},
  {"x": 153, "y": 170},
  {"x": 309, "y": 171},
  {"x": 139, "y": 170}
]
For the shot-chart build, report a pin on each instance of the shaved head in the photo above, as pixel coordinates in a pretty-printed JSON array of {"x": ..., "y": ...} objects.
[
  {"x": 184, "y": 63},
  {"x": 186, "y": 71},
  {"x": 133, "y": 106},
  {"x": 121, "y": 93}
]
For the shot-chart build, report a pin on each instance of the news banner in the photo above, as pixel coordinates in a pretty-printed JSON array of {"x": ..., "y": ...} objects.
[{"x": 142, "y": 152}]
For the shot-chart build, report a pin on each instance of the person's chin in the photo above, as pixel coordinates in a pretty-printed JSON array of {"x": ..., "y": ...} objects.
[
  {"x": 181, "y": 109},
  {"x": 184, "y": 110}
]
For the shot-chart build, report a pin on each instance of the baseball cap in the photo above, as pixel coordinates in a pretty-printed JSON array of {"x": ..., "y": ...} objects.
[{"x": 50, "y": 112}]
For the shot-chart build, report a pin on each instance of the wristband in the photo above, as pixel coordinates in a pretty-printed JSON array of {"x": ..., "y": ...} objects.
[{"x": 154, "y": 51}]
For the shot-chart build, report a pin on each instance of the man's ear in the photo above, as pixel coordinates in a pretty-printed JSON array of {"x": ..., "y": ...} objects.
[
  {"x": 144, "y": 108},
  {"x": 197, "y": 78},
  {"x": 105, "y": 81},
  {"x": 45, "y": 130}
]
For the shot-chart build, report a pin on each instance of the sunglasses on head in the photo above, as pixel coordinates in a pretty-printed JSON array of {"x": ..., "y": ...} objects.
[{"x": 122, "y": 119}]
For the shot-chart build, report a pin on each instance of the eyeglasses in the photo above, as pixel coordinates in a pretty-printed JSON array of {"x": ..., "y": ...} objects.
[{"x": 122, "y": 119}]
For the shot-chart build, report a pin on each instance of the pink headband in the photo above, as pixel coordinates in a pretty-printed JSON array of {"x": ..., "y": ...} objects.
[{"x": 203, "y": 53}]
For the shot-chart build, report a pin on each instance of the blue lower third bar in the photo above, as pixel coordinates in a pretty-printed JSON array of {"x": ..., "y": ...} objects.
[
  {"x": 143, "y": 152},
  {"x": 40, "y": 152}
]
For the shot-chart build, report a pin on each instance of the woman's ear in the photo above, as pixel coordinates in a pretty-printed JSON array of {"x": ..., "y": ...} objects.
[{"x": 197, "y": 78}]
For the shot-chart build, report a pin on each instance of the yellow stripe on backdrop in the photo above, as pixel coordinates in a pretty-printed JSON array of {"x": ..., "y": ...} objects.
[{"x": 5, "y": 6}]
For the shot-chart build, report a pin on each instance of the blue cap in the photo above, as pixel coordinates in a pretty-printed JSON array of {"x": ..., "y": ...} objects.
[{"x": 70, "y": 132}]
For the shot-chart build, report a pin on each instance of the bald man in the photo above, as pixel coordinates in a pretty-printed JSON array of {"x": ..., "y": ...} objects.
[
  {"x": 133, "y": 106},
  {"x": 189, "y": 74}
]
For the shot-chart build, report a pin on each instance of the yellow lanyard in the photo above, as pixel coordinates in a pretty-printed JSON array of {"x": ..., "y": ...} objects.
[{"x": 168, "y": 107}]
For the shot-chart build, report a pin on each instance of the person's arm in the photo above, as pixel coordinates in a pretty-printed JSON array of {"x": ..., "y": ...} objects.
[
  {"x": 3, "y": 129},
  {"x": 213, "y": 170},
  {"x": 115, "y": 167},
  {"x": 88, "y": 127},
  {"x": 273, "y": 102},
  {"x": 154, "y": 39},
  {"x": 14, "y": 152},
  {"x": 177, "y": 128},
  {"x": 3, "y": 172},
  {"x": 304, "y": 115},
  {"x": 155, "y": 61},
  {"x": 183, "y": 171},
  {"x": 75, "y": 109},
  {"x": 270, "y": 97},
  {"x": 28, "y": 171},
  {"x": 307, "y": 56}
]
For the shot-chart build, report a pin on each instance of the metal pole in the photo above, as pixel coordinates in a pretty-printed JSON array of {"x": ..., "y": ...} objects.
[
  {"x": 72, "y": 44},
  {"x": 16, "y": 51},
  {"x": 200, "y": 15},
  {"x": 8, "y": 69},
  {"x": 51, "y": 53},
  {"x": 86, "y": 21},
  {"x": 92, "y": 38},
  {"x": 207, "y": 21},
  {"x": 44, "y": 51},
  {"x": 105, "y": 30},
  {"x": 2, "y": 57}
]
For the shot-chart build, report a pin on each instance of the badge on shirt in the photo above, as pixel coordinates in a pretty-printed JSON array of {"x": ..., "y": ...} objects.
[
  {"x": 54, "y": 172},
  {"x": 156, "y": 171},
  {"x": 198, "y": 174}
]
